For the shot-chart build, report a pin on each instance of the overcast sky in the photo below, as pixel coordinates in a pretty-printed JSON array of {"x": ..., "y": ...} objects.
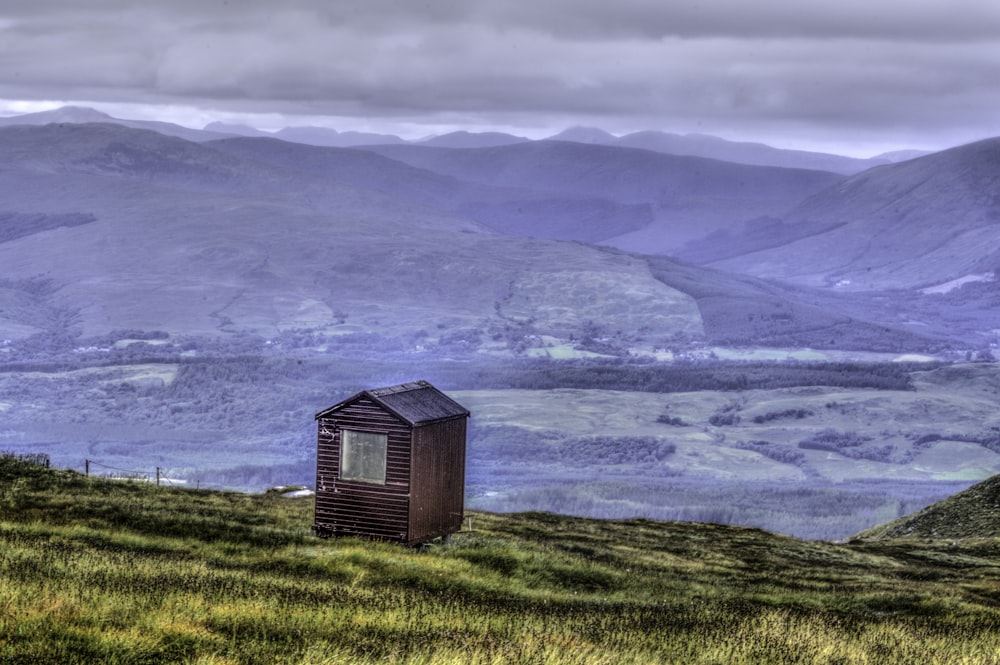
[{"x": 856, "y": 76}]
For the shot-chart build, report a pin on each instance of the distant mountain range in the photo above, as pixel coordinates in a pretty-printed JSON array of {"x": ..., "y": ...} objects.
[
  {"x": 693, "y": 145},
  {"x": 82, "y": 115},
  {"x": 106, "y": 226},
  {"x": 319, "y": 136}
]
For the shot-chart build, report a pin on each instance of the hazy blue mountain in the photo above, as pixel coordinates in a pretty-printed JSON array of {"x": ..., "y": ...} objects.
[
  {"x": 704, "y": 145},
  {"x": 696, "y": 145},
  {"x": 324, "y": 136},
  {"x": 232, "y": 129},
  {"x": 82, "y": 115},
  {"x": 464, "y": 139},
  {"x": 915, "y": 224},
  {"x": 590, "y": 135},
  {"x": 714, "y": 147},
  {"x": 319, "y": 136},
  {"x": 688, "y": 197},
  {"x": 901, "y": 155},
  {"x": 73, "y": 114}
]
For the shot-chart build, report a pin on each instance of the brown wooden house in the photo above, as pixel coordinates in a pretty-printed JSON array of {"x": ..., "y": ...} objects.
[{"x": 390, "y": 464}]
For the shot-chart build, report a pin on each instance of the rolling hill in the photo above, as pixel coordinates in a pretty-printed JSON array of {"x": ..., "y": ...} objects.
[{"x": 585, "y": 217}]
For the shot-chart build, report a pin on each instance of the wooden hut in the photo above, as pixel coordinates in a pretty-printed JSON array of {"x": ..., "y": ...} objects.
[{"x": 391, "y": 464}]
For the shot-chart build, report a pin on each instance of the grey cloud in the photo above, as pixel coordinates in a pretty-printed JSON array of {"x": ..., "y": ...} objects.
[
  {"x": 928, "y": 20},
  {"x": 864, "y": 67}
]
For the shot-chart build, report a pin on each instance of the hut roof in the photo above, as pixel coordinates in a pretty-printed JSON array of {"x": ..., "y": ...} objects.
[{"x": 417, "y": 403}]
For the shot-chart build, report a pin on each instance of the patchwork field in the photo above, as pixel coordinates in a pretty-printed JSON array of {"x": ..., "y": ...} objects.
[
  {"x": 819, "y": 456},
  {"x": 945, "y": 428},
  {"x": 813, "y": 461}
]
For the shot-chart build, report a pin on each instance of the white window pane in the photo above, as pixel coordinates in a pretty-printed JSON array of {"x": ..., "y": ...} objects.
[{"x": 362, "y": 456}]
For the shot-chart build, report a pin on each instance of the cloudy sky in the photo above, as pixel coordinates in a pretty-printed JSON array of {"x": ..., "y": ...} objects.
[{"x": 854, "y": 76}]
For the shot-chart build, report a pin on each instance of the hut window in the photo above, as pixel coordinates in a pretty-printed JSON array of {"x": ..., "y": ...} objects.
[{"x": 362, "y": 456}]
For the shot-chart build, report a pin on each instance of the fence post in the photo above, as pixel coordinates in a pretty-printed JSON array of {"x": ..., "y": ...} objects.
[
  {"x": 157, "y": 476},
  {"x": 86, "y": 467}
]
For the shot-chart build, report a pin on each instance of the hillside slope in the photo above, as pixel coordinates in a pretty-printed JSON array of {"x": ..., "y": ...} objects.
[
  {"x": 972, "y": 513},
  {"x": 916, "y": 224},
  {"x": 714, "y": 147},
  {"x": 740, "y": 310}
]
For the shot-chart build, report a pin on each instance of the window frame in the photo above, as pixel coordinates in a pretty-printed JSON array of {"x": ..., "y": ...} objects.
[{"x": 348, "y": 448}]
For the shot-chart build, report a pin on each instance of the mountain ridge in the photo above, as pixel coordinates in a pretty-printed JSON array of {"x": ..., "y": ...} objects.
[
  {"x": 195, "y": 226},
  {"x": 698, "y": 145},
  {"x": 86, "y": 115}
]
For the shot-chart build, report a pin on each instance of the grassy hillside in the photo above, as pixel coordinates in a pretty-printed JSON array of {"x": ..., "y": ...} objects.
[
  {"x": 974, "y": 513},
  {"x": 97, "y": 571}
]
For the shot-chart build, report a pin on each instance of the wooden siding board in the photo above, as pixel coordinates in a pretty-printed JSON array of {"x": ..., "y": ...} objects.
[{"x": 351, "y": 507}]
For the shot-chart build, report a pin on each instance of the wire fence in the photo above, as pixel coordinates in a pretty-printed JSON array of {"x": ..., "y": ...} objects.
[
  {"x": 158, "y": 475},
  {"x": 116, "y": 473}
]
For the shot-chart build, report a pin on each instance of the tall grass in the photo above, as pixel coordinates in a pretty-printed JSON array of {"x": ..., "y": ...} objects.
[{"x": 97, "y": 571}]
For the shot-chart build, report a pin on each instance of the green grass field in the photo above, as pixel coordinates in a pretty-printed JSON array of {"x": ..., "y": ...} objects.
[{"x": 98, "y": 571}]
